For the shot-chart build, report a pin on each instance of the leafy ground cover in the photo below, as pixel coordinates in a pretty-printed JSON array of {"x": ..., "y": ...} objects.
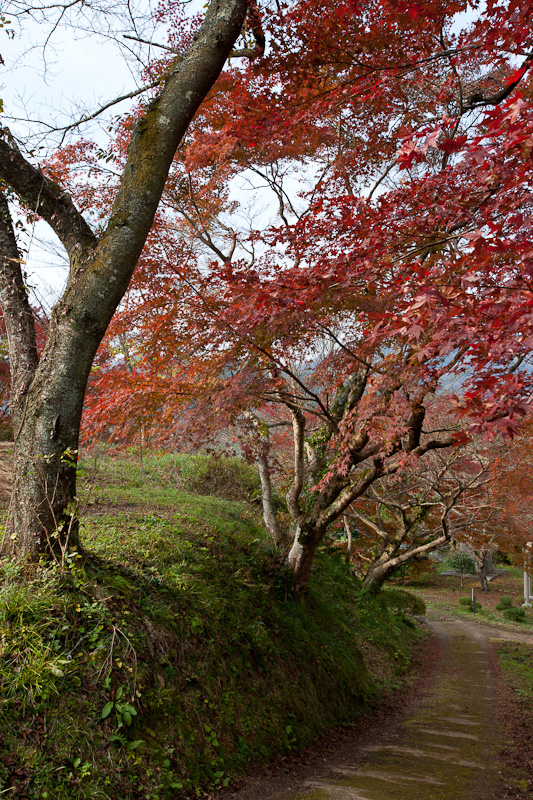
[
  {"x": 515, "y": 662},
  {"x": 172, "y": 656}
]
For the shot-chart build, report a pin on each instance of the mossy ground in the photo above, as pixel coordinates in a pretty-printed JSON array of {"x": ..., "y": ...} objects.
[{"x": 172, "y": 656}]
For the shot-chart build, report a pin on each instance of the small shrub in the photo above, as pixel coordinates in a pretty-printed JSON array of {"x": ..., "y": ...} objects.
[
  {"x": 415, "y": 571},
  {"x": 505, "y": 602},
  {"x": 400, "y": 602},
  {"x": 229, "y": 478},
  {"x": 515, "y": 614},
  {"x": 462, "y": 562},
  {"x": 468, "y": 603},
  {"x": 421, "y": 569}
]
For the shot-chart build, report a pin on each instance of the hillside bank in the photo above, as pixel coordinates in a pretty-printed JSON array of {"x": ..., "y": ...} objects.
[{"x": 172, "y": 656}]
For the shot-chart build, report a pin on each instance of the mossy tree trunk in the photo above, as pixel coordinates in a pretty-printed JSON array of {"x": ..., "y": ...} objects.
[{"x": 47, "y": 392}]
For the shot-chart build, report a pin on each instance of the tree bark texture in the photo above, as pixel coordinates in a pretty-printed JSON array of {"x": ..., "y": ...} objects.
[
  {"x": 269, "y": 515},
  {"x": 302, "y": 554},
  {"x": 47, "y": 394},
  {"x": 385, "y": 566}
]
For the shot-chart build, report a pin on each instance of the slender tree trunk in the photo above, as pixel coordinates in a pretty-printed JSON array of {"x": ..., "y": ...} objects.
[
  {"x": 269, "y": 515},
  {"x": 483, "y": 560},
  {"x": 483, "y": 576},
  {"x": 141, "y": 451},
  {"x": 349, "y": 539}
]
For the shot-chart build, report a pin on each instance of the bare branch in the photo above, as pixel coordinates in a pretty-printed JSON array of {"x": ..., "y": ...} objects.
[
  {"x": 152, "y": 44},
  {"x": 45, "y": 198},
  {"x": 503, "y": 94},
  {"x": 17, "y": 314},
  {"x": 110, "y": 104}
]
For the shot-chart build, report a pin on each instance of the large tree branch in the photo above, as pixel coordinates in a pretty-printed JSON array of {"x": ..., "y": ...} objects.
[
  {"x": 45, "y": 198},
  {"x": 434, "y": 544},
  {"x": 346, "y": 497},
  {"x": 416, "y": 421},
  {"x": 378, "y": 529},
  {"x": 434, "y": 444},
  {"x": 479, "y": 101}
]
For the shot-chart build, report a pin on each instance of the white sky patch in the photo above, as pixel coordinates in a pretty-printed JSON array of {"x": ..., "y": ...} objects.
[{"x": 51, "y": 79}]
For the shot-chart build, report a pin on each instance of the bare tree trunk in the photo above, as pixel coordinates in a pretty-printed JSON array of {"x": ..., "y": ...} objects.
[
  {"x": 43, "y": 506},
  {"x": 47, "y": 394},
  {"x": 301, "y": 555},
  {"x": 269, "y": 515},
  {"x": 378, "y": 572},
  {"x": 45, "y": 405},
  {"x": 47, "y": 424},
  {"x": 481, "y": 557},
  {"x": 482, "y": 565},
  {"x": 376, "y": 575}
]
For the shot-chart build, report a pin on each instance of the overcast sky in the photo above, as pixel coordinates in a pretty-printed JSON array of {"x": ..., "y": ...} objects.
[{"x": 52, "y": 77}]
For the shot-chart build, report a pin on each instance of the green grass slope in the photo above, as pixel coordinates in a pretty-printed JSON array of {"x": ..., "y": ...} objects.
[{"x": 174, "y": 656}]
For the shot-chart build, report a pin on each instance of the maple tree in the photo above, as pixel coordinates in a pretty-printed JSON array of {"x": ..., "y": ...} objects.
[
  {"x": 409, "y": 516},
  {"x": 304, "y": 298},
  {"x": 499, "y": 518},
  {"x": 454, "y": 497},
  {"x": 396, "y": 140}
]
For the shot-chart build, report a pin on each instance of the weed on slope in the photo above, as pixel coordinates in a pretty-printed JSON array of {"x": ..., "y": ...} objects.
[{"x": 172, "y": 656}]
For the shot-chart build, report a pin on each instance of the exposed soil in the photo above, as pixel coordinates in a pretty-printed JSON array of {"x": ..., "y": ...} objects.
[{"x": 97, "y": 509}]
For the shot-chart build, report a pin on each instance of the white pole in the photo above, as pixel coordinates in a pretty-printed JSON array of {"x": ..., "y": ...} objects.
[{"x": 527, "y": 580}]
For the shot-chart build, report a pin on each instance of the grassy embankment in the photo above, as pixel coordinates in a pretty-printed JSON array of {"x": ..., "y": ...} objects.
[{"x": 174, "y": 656}]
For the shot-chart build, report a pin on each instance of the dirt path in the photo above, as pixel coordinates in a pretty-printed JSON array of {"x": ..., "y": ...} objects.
[{"x": 444, "y": 748}]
